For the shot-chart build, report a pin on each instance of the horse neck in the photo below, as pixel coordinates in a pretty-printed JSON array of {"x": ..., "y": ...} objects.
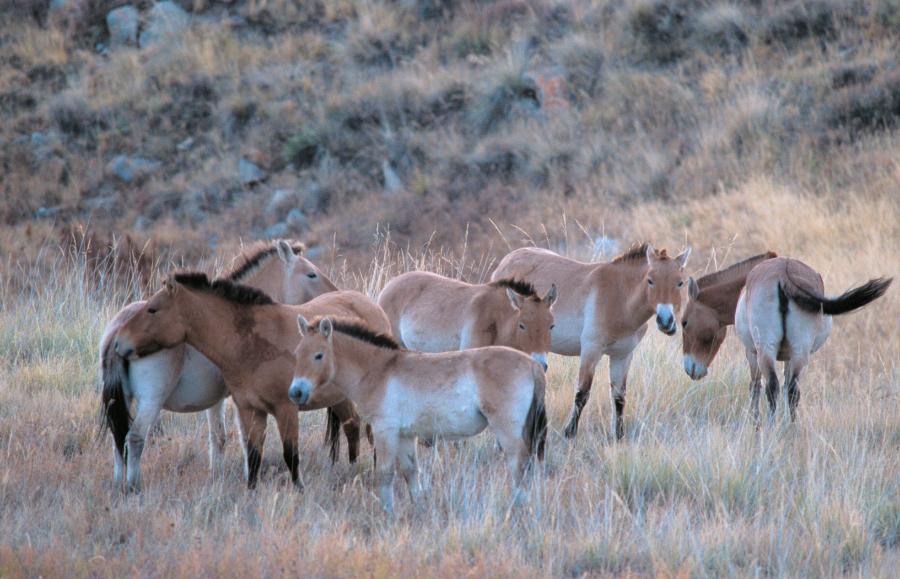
[
  {"x": 268, "y": 277},
  {"x": 327, "y": 281},
  {"x": 723, "y": 297},
  {"x": 630, "y": 283},
  {"x": 360, "y": 368},
  {"x": 209, "y": 322}
]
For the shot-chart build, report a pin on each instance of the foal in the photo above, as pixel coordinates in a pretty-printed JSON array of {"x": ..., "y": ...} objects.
[
  {"x": 405, "y": 394},
  {"x": 603, "y": 310},
  {"x": 181, "y": 379},
  {"x": 250, "y": 339},
  {"x": 432, "y": 313}
]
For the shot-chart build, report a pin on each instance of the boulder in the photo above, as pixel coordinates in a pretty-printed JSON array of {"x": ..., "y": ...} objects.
[
  {"x": 165, "y": 22},
  {"x": 129, "y": 169},
  {"x": 123, "y": 26},
  {"x": 249, "y": 174}
]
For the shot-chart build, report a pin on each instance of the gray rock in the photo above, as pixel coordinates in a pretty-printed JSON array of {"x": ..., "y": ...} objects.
[
  {"x": 250, "y": 174},
  {"x": 46, "y": 212},
  {"x": 280, "y": 200},
  {"x": 297, "y": 220},
  {"x": 165, "y": 22},
  {"x": 277, "y": 231},
  {"x": 130, "y": 168},
  {"x": 123, "y": 26},
  {"x": 392, "y": 181},
  {"x": 185, "y": 144}
]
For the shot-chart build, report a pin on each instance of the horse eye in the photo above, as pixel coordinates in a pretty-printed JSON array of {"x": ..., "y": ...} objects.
[
  {"x": 311, "y": 275},
  {"x": 684, "y": 324},
  {"x": 552, "y": 326},
  {"x": 681, "y": 283},
  {"x": 319, "y": 356},
  {"x": 521, "y": 326},
  {"x": 650, "y": 282},
  {"x": 151, "y": 311}
]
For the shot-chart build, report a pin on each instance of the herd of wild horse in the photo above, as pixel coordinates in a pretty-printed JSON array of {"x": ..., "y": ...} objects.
[{"x": 436, "y": 357}]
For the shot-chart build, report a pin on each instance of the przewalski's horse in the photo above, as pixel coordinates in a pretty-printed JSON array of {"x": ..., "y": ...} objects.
[
  {"x": 783, "y": 314},
  {"x": 405, "y": 394},
  {"x": 603, "y": 310},
  {"x": 432, "y": 313},
  {"x": 251, "y": 340},
  {"x": 181, "y": 379},
  {"x": 709, "y": 311}
]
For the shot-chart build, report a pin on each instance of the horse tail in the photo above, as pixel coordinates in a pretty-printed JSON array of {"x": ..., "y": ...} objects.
[
  {"x": 852, "y": 299},
  {"x": 333, "y": 433},
  {"x": 114, "y": 414},
  {"x": 535, "y": 430}
]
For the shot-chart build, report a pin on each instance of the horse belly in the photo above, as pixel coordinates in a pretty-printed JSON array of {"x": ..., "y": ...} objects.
[
  {"x": 447, "y": 421},
  {"x": 428, "y": 338},
  {"x": 199, "y": 387}
]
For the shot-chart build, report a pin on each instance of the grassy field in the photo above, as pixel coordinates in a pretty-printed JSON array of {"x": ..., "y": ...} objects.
[{"x": 693, "y": 491}]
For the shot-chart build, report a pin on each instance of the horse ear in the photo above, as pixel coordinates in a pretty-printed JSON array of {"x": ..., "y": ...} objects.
[
  {"x": 551, "y": 296},
  {"x": 302, "y": 325},
  {"x": 171, "y": 286},
  {"x": 693, "y": 289},
  {"x": 515, "y": 300},
  {"x": 285, "y": 252},
  {"x": 651, "y": 253},
  {"x": 325, "y": 328},
  {"x": 683, "y": 257}
]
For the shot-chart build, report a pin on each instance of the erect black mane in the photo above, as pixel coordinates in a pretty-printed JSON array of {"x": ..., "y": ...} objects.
[
  {"x": 361, "y": 332},
  {"x": 635, "y": 252},
  {"x": 223, "y": 288},
  {"x": 724, "y": 274},
  {"x": 251, "y": 261},
  {"x": 519, "y": 286}
]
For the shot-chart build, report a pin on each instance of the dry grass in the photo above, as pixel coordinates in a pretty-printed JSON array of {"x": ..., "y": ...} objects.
[{"x": 694, "y": 491}]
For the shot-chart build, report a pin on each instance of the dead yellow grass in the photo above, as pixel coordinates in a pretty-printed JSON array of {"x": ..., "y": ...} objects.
[{"x": 693, "y": 492}]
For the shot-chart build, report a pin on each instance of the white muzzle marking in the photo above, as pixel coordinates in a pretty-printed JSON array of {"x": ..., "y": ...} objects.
[
  {"x": 665, "y": 318},
  {"x": 693, "y": 368},
  {"x": 300, "y": 390},
  {"x": 540, "y": 358}
]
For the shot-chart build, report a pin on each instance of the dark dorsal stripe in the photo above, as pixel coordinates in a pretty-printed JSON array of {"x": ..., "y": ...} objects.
[
  {"x": 254, "y": 260},
  {"x": 741, "y": 267},
  {"x": 637, "y": 252},
  {"x": 523, "y": 288},
  {"x": 359, "y": 332},
  {"x": 223, "y": 288}
]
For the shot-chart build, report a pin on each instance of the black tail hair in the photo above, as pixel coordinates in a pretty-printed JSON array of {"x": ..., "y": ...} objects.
[
  {"x": 114, "y": 414},
  {"x": 333, "y": 434},
  {"x": 535, "y": 429},
  {"x": 846, "y": 302}
]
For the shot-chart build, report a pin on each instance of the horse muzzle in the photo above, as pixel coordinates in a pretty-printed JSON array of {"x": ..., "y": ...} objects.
[
  {"x": 300, "y": 391},
  {"x": 540, "y": 358},
  {"x": 694, "y": 369},
  {"x": 665, "y": 319},
  {"x": 124, "y": 349}
]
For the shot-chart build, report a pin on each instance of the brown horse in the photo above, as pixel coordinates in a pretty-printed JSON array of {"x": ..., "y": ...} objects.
[
  {"x": 405, "y": 394},
  {"x": 432, "y": 313},
  {"x": 783, "y": 314},
  {"x": 603, "y": 310},
  {"x": 712, "y": 300},
  {"x": 250, "y": 339},
  {"x": 181, "y": 379}
]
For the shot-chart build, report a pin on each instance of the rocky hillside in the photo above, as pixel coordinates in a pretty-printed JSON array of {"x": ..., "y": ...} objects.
[{"x": 196, "y": 121}]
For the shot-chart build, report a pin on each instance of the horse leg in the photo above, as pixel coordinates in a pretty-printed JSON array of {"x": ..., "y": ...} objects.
[
  {"x": 386, "y": 444},
  {"x": 215, "y": 417},
  {"x": 766, "y": 364},
  {"x": 582, "y": 390},
  {"x": 755, "y": 386},
  {"x": 253, "y": 429},
  {"x": 145, "y": 418},
  {"x": 409, "y": 469},
  {"x": 350, "y": 422},
  {"x": 289, "y": 429},
  {"x": 792, "y": 382},
  {"x": 618, "y": 377},
  {"x": 118, "y": 465}
]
